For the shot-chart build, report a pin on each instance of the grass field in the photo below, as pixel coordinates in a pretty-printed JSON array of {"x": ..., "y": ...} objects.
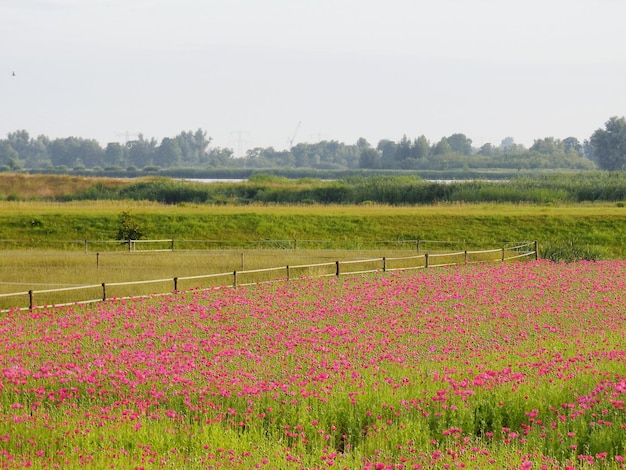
[
  {"x": 509, "y": 366},
  {"x": 52, "y": 225},
  {"x": 58, "y": 277}
]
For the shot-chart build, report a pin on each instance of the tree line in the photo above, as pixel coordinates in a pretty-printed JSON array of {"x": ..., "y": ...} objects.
[{"x": 605, "y": 149}]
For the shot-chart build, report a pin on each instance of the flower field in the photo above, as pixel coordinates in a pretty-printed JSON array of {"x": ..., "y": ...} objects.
[{"x": 517, "y": 365}]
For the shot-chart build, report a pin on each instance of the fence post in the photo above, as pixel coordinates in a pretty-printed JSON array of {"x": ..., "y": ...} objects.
[
  {"x": 104, "y": 292},
  {"x": 31, "y": 304},
  {"x": 172, "y": 245},
  {"x": 235, "y": 279},
  {"x": 465, "y": 256},
  {"x": 503, "y": 254},
  {"x": 536, "y": 251},
  {"x": 86, "y": 246},
  {"x": 295, "y": 244},
  {"x": 426, "y": 260},
  {"x": 175, "y": 284},
  {"x": 418, "y": 245},
  {"x": 338, "y": 271},
  {"x": 384, "y": 264},
  {"x": 97, "y": 260},
  {"x": 287, "y": 272}
]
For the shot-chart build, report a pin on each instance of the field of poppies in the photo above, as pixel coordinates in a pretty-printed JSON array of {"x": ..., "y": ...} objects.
[{"x": 515, "y": 365}]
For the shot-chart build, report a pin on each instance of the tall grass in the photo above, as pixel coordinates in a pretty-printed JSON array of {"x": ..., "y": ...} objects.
[
  {"x": 394, "y": 190},
  {"x": 57, "y": 277}
]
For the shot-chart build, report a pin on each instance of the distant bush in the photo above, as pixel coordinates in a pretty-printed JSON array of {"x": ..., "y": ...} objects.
[
  {"x": 152, "y": 169},
  {"x": 392, "y": 190}
]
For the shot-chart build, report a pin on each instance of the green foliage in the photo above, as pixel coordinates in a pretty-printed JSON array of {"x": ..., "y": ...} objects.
[
  {"x": 129, "y": 227},
  {"x": 569, "y": 251},
  {"x": 609, "y": 144},
  {"x": 394, "y": 190},
  {"x": 191, "y": 150}
]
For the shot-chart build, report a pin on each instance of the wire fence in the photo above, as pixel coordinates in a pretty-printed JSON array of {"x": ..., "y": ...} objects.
[{"x": 33, "y": 298}]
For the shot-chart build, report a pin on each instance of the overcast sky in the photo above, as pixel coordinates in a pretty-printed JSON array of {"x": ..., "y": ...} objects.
[{"x": 249, "y": 71}]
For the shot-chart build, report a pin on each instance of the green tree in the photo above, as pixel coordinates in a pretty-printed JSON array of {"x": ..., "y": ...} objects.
[
  {"x": 128, "y": 227},
  {"x": 114, "y": 154},
  {"x": 488, "y": 150},
  {"x": 460, "y": 143},
  {"x": 7, "y": 153},
  {"x": 193, "y": 146},
  {"x": 387, "y": 149},
  {"x": 442, "y": 147},
  {"x": 572, "y": 145},
  {"x": 65, "y": 152},
  {"x": 369, "y": 158},
  {"x": 168, "y": 154},
  {"x": 90, "y": 152},
  {"x": 20, "y": 141},
  {"x": 421, "y": 147},
  {"x": 141, "y": 151},
  {"x": 548, "y": 146},
  {"x": 609, "y": 145},
  {"x": 219, "y": 157}
]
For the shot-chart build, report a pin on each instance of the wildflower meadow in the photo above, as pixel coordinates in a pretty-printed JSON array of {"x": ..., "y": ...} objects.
[{"x": 512, "y": 365}]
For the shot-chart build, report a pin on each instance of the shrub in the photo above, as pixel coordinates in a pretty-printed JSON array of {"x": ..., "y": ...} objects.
[
  {"x": 569, "y": 251},
  {"x": 129, "y": 227}
]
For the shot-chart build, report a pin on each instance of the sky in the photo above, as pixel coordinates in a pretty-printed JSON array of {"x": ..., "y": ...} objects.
[{"x": 261, "y": 73}]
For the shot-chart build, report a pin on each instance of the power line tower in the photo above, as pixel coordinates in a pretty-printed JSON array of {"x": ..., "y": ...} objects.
[
  {"x": 293, "y": 136},
  {"x": 240, "y": 139},
  {"x": 128, "y": 136}
]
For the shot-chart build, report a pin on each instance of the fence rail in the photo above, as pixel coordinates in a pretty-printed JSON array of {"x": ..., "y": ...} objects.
[
  {"x": 337, "y": 268},
  {"x": 171, "y": 244}
]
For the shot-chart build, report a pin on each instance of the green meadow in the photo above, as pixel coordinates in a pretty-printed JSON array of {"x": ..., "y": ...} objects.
[{"x": 46, "y": 225}]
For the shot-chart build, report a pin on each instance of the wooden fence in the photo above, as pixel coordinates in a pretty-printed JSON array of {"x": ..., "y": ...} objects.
[
  {"x": 171, "y": 244},
  {"x": 101, "y": 292}
]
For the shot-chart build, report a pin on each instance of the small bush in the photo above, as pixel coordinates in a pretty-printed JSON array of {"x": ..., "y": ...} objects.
[
  {"x": 129, "y": 227},
  {"x": 569, "y": 251}
]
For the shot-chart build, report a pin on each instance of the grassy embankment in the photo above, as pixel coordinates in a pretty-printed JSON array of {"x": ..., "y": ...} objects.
[{"x": 49, "y": 225}]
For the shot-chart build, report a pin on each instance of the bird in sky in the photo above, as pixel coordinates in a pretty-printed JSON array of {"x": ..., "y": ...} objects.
[{"x": 14, "y": 74}]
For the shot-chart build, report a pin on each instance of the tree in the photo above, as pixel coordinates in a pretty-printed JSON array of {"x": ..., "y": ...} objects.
[
  {"x": 442, "y": 147},
  {"x": 141, "y": 151},
  {"x": 547, "y": 146},
  {"x": 114, "y": 154},
  {"x": 369, "y": 158},
  {"x": 460, "y": 143},
  {"x": 7, "y": 153},
  {"x": 387, "y": 149},
  {"x": 65, "y": 152},
  {"x": 129, "y": 227},
  {"x": 168, "y": 154},
  {"x": 362, "y": 144},
  {"x": 609, "y": 145},
  {"x": 488, "y": 150},
  {"x": 90, "y": 152},
  {"x": 507, "y": 143},
  {"x": 421, "y": 147},
  {"x": 573, "y": 145},
  {"x": 193, "y": 146}
]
